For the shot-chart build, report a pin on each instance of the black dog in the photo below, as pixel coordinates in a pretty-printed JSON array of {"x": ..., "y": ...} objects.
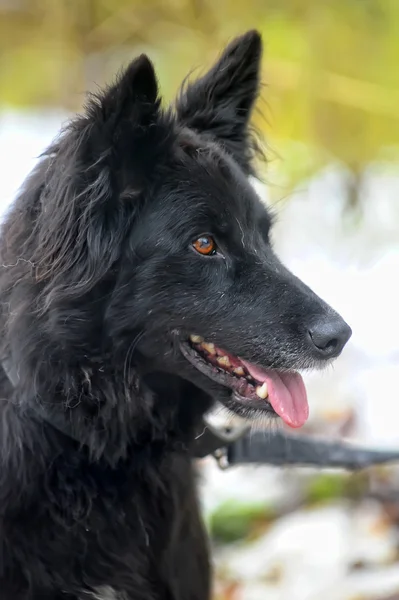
[{"x": 136, "y": 251}]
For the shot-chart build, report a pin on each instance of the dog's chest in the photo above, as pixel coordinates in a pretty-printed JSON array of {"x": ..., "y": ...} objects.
[{"x": 149, "y": 542}]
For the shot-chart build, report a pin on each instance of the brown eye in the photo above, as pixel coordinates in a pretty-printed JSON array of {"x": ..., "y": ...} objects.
[{"x": 205, "y": 245}]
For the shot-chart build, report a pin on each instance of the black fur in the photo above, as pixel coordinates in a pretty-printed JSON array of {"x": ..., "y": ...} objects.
[{"x": 99, "y": 286}]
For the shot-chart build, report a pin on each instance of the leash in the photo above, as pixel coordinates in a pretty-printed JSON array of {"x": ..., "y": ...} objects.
[{"x": 239, "y": 446}]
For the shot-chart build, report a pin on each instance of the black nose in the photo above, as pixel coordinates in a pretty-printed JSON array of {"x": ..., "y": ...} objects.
[{"x": 329, "y": 335}]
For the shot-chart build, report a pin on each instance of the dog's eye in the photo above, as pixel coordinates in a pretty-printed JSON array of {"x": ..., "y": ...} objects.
[{"x": 205, "y": 245}]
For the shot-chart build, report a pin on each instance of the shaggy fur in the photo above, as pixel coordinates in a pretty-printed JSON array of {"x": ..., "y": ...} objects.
[{"x": 99, "y": 287}]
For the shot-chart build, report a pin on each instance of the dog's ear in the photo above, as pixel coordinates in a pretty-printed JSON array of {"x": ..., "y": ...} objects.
[
  {"x": 220, "y": 103},
  {"x": 95, "y": 176},
  {"x": 128, "y": 123},
  {"x": 133, "y": 98}
]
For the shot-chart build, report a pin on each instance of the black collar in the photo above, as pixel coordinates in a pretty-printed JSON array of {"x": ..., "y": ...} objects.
[{"x": 209, "y": 440}]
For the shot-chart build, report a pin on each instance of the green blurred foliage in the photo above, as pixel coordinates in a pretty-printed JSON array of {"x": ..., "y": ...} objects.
[
  {"x": 330, "y": 68},
  {"x": 327, "y": 487},
  {"x": 233, "y": 521}
]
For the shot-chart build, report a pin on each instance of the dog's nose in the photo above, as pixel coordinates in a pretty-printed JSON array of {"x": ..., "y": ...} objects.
[{"x": 329, "y": 336}]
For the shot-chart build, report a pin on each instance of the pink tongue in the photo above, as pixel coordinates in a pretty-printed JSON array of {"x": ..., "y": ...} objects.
[{"x": 287, "y": 393}]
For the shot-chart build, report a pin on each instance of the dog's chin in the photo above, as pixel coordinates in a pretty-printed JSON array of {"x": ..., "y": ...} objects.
[{"x": 246, "y": 389}]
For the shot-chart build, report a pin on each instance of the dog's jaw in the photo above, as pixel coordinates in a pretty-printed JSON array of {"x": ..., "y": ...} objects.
[{"x": 254, "y": 390}]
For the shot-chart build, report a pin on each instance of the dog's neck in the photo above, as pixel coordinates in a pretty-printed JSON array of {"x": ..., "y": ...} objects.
[
  {"x": 107, "y": 414},
  {"x": 105, "y": 421}
]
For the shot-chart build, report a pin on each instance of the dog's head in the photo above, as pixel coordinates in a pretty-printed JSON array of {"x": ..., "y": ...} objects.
[{"x": 150, "y": 240}]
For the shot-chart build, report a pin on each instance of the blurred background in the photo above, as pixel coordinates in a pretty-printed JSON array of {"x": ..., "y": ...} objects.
[{"x": 329, "y": 113}]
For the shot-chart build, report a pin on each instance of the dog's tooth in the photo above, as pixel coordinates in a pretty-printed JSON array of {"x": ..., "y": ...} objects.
[
  {"x": 224, "y": 361},
  {"x": 196, "y": 339},
  {"x": 262, "y": 391},
  {"x": 210, "y": 348},
  {"x": 239, "y": 371}
]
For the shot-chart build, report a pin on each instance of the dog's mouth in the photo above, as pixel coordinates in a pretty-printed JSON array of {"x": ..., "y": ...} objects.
[{"x": 281, "y": 393}]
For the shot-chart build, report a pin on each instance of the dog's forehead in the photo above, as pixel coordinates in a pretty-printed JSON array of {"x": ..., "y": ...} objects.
[{"x": 209, "y": 181}]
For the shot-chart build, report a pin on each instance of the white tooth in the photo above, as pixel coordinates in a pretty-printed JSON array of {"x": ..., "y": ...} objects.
[
  {"x": 224, "y": 361},
  {"x": 262, "y": 391},
  {"x": 239, "y": 371},
  {"x": 196, "y": 339},
  {"x": 210, "y": 348}
]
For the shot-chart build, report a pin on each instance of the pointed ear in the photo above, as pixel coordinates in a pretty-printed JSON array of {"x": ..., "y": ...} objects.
[
  {"x": 129, "y": 128},
  {"x": 99, "y": 169},
  {"x": 134, "y": 96},
  {"x": 220, "y": 103}
]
